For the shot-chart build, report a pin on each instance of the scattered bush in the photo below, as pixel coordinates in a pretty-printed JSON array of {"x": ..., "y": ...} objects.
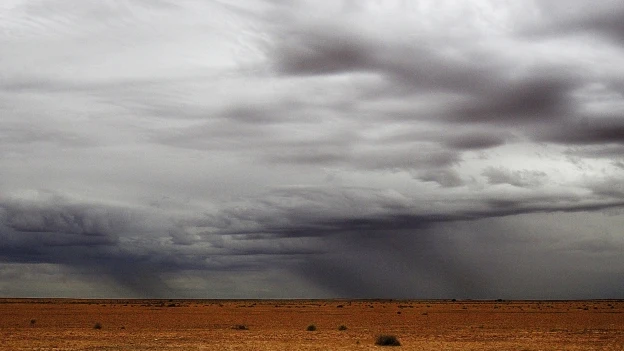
[
  {"x": 387, "y": 340},
  {"x": 240, "y": 327},
  {"x": 311, "y": 327},
  {"x": 97, "y": 325},
  {"x": 342, "y": 327},
  {"x": 32, "y": 322}
]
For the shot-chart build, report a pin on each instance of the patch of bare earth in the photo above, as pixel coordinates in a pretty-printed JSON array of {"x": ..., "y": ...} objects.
[{"x": 54, "y": 324}]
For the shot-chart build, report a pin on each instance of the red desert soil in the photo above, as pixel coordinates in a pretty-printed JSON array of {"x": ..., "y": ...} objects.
[{"x": 61, "y": 324}]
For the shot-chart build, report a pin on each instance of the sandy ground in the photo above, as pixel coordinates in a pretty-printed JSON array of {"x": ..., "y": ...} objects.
[{"x": 52, "y": 324}]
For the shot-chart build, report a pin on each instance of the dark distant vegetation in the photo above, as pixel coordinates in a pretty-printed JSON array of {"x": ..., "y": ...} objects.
[
  {"x": 387, "y": 340},
  {"x": 342, "y": 327},
  {"x": 97, "y": 325},
  {"x": 311, "y": 327},
  {"x": 32, "y": 322},
  {"x": 240, "y": 327}
]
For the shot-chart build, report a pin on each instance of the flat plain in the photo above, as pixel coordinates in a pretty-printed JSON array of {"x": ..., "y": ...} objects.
[{"x": 67, "y": 324}]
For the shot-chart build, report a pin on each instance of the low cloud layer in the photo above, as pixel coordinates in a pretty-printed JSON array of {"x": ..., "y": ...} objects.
[{"x": 421, "y": 150}]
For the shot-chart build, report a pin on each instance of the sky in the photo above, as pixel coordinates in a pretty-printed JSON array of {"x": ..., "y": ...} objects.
[{"x": 312, "y": 149}]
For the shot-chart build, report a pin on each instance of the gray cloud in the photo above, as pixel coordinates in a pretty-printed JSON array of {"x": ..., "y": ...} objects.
[
  {"x": 524, "y": 178},
  {"x": 474, "y": 141},
  {"x": 409, "y": 62},
  {"x": 598, "y": 151},
  {"x": 444, "y": 177},
  {"x": 610, "y": 187},
  {"x": 604, "y": 20},
  {"x": 341, "y": 149},
  {"x": 20, "y": 135}
]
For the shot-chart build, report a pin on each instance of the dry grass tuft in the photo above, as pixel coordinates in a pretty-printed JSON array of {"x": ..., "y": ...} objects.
[{"x": 387, "y": 340}]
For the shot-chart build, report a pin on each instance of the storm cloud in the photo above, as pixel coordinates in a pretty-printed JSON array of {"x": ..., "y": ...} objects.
[{"x": 425, "y": 149}]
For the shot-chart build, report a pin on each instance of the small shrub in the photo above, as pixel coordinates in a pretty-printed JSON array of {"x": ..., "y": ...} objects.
[
  {"x": 342, "y": 327},
  {"x": 387, "y": 340},
  {"x": 311, "y": 327},
  {"x": 32, "y": 322},
  {"x": 240, "y": 327},
  {"x": 97, "y": 325}
]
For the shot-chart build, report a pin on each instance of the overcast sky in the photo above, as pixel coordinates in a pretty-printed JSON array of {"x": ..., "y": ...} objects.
[{"x": 289, "y": 149}]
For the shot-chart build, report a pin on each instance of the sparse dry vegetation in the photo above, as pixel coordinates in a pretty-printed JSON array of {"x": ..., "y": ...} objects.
[
  {"x": 281, "y": 325},
  {"x": 387, "y": 340}
]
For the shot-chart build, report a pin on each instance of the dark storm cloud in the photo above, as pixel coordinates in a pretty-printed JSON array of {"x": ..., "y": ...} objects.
[
  {"x": 85, "y": 237},
  {"x": 126, "y": 245},
  {"x": 304, "y": 211},
  {"x": 365, "y": 236},
  {"x": 326, "y": 212},
  {"x": 587, "y": 131},
  {"x": 410, "y": 62},
  {"x": 535, "y": 99},
  {"x": 412, "y": 263},
  {"x": 324, "y": 53},
  {"x": 58, "y": 216},
  {"x": 486, "y": 92}
]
